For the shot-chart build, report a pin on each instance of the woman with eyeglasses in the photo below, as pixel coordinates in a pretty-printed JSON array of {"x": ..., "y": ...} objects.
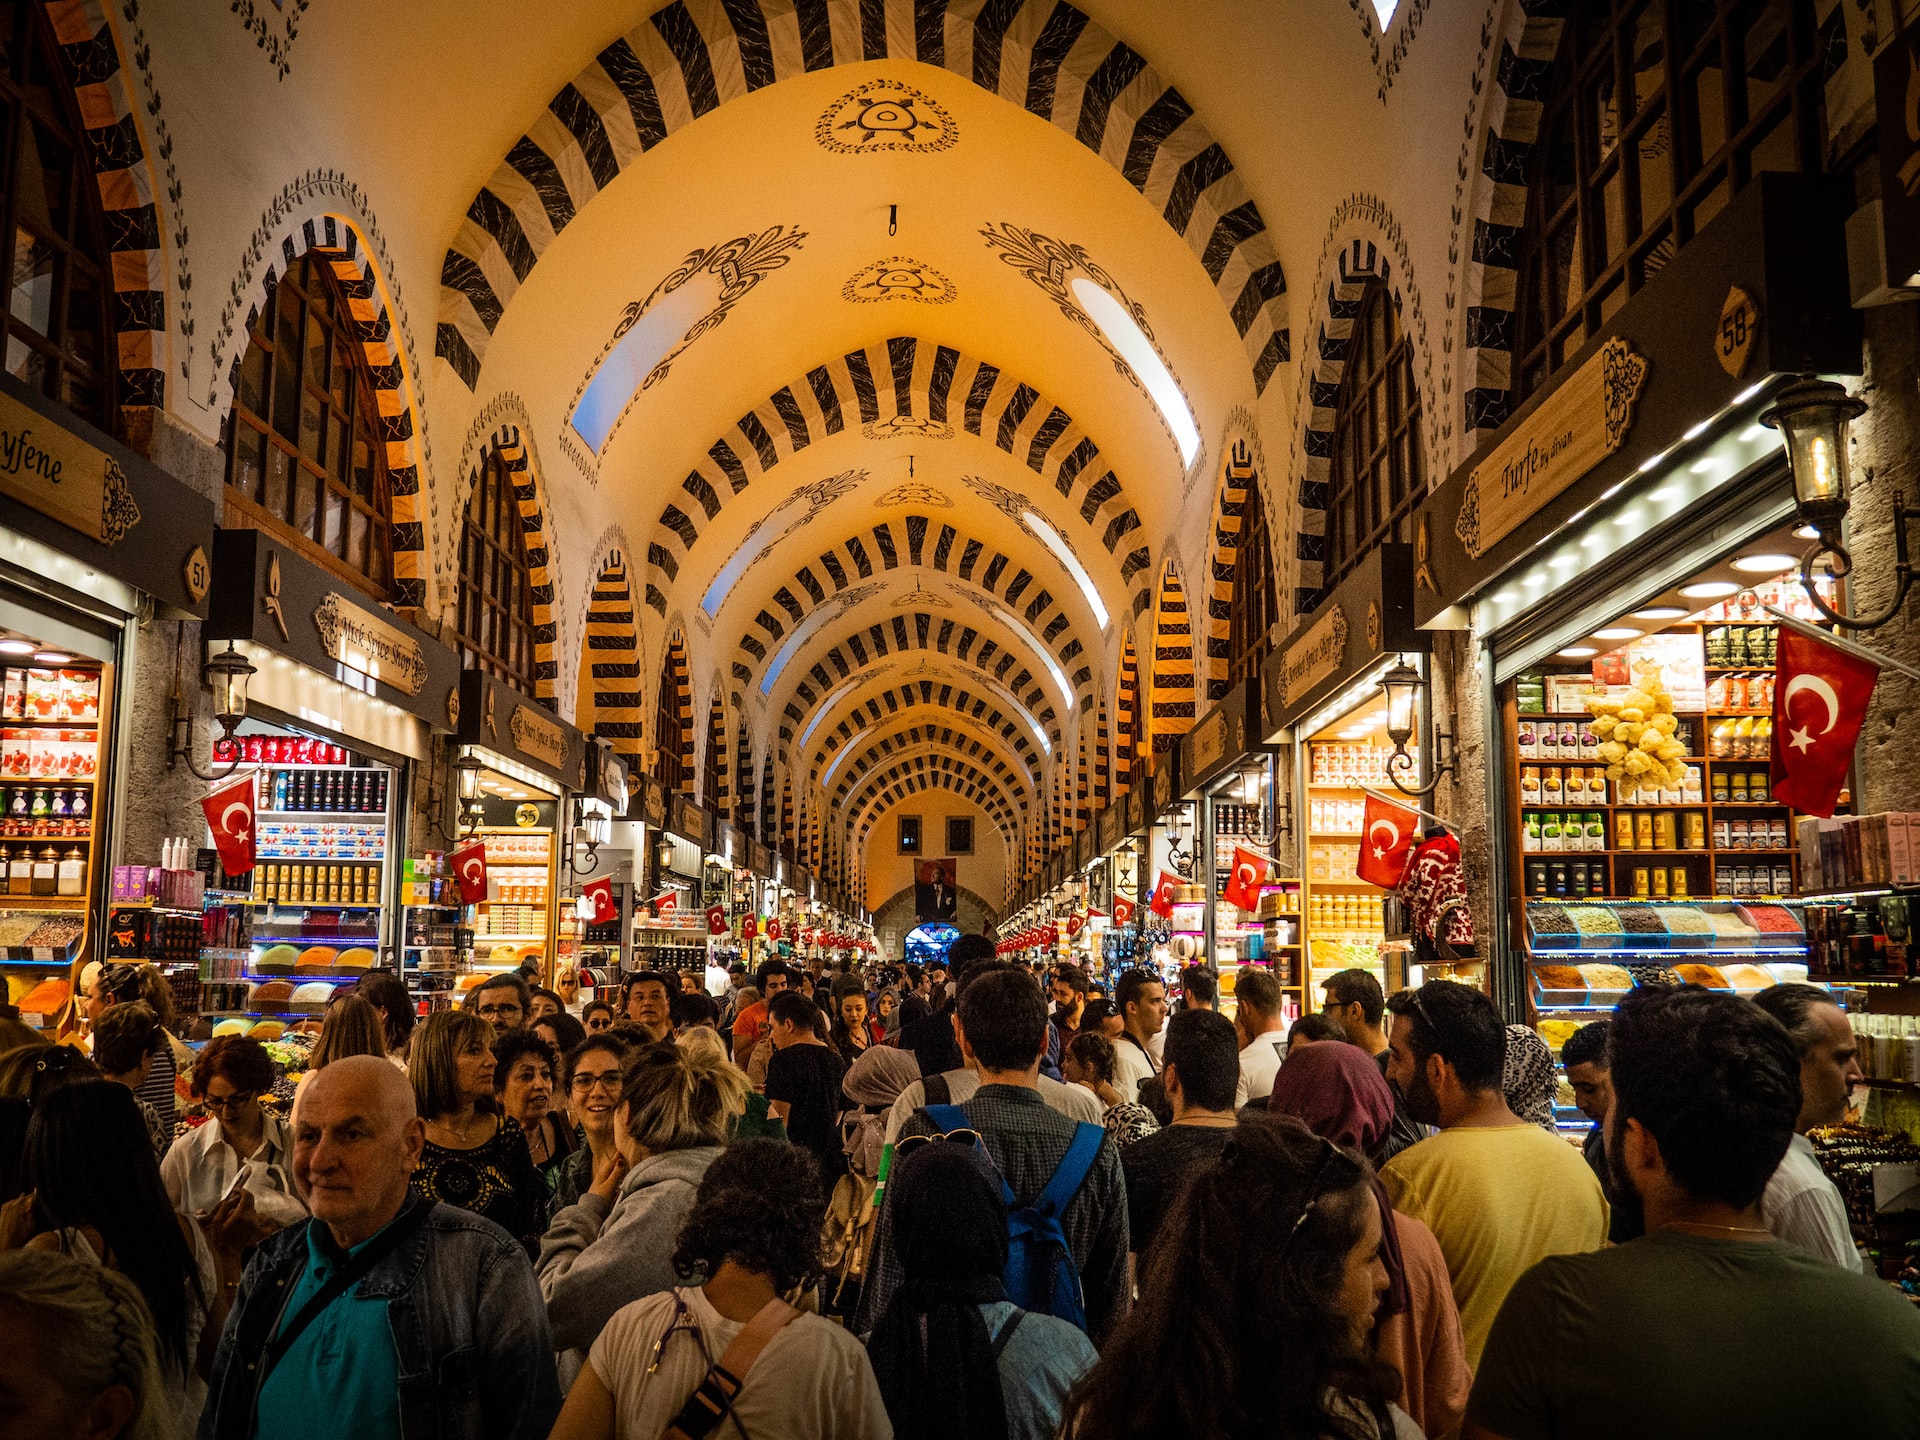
[
  {"x": 749, "y": 1246},
  {"x": 596, "y": 1068},
  {"x": 474, "y": 1157},
  {"x": 1256, "y": 1306},
  {"x": 239, "y": 1142}
]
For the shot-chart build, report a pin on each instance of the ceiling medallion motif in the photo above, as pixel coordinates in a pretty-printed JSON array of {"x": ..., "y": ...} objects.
[
  {"x": 886, "y": 115},
  {"x": 899, "y": 277},
  {"x": 919, "y": 596},
  {"x": 914, "y": 495},
  {"x": 907, "y": 427},
  {"x": 1010, "y": 503}
]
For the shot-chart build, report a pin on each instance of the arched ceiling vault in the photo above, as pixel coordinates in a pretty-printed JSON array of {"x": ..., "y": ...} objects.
[{"x": 911, "y": 734}]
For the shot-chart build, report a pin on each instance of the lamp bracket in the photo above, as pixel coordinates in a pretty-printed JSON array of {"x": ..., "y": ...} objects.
[{"x": 1840, "y": 563}]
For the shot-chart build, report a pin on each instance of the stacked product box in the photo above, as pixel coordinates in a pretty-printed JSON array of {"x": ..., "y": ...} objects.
[{"x": 1852, "y": 851}]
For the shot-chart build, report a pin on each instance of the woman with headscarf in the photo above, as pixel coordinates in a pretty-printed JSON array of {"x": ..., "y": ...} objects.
[
  {"x": 955, "y": 1359},
  {"x": 1527, "y": 1077},
  {"x": 1338, "y": 1091},
  {"x": 873, "y": 1083}
]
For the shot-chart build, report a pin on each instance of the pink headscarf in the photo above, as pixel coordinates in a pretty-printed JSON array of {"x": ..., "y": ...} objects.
[{"x": 1337, "y": 1090}]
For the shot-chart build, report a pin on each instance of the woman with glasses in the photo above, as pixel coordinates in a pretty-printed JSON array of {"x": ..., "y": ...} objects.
[
  {"x": 1256, "y": 1305},
  {"x": 474, "y": 1157},
  {"x": 240, "y": 1141},
  {"x": 616, "y": 1245},
  {"x": 596, "y": 1069},
  {"x": 526, "y": 1087}
]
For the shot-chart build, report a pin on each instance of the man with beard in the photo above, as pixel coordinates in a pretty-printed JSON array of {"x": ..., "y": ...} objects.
[
  {"x": 1709, "y": 1324},
  {"x": 1498, "y": 1192}
]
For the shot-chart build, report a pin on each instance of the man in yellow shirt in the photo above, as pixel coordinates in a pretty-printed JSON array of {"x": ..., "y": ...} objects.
[{"x": 1497, "y": 1192}]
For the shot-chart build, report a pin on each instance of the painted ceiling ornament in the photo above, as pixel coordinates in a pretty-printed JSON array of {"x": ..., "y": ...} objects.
[
  {"x": 920, "y": 595},
  {"x": 1010, "y": 503},
  {"x": 886, "y": 115},
  {"x": 1051, "y": 264},
  {"x": 914, "y": 494},
  {"x": 899, "y": 277},
  {"x": 907, "y": 427}
]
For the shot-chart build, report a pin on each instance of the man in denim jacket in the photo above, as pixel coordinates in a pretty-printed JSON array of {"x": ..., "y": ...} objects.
[{"x": 444, "y": 1335}]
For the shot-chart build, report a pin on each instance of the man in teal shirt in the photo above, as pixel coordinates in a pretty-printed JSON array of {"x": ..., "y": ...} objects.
[{"x": 440, "y": 1330}]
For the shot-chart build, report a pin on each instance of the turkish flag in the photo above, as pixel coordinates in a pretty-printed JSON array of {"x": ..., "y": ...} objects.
[
  {"x": 1074, "y": 922},
  {"x": 749, "y": 927},
  {"x": 1387, "y": 834},
  {"x": 1820, "y": 695},
  {"x": 773, "y": 929},
  {"x": 600, "y": 892},
  {"x": 230, "y": 817},
  {"x": 1249, "y": 874},
  {"x": 1162, "y": 902},
  {"x": 468, "y": 861},
  {"x": 1122, "y": 910},
  {"x": 716, "y": 919},
  {"x": 666, "y": 903}
]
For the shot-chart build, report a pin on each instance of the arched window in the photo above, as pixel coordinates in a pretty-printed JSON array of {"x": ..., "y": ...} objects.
[
  {"x": 60, "y": 341},
  {"x": 305, "y": 453},
  {"x": 495, "y": 616},
  {"x": 669, "y": 724},
  {"x": 713, "y": 765},
  {"x": 1654, "y": 117},
  {"x": 1376, "y": 474},
  {"x": 1255, "y": 605}
]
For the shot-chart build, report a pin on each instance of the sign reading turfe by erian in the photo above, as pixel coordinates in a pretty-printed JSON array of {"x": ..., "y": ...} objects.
[
  {"x": 1315, "y": 656},
  {"x": 62, "y": 476},
  {"x": 1571, "y": 431},
  {"x": 538, "y": 736},
  {"x": 360, "y": 639}
]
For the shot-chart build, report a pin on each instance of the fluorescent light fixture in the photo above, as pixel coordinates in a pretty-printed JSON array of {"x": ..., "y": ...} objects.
[
  {"x": 1710, "y": 590},
  {"x": 1696, "y": 431},
  {"x": 1660, "y": 612},
  {"x": 1617, "y": 632},
  {"x": 1765, "y": 564},
  {"x": 1748, "y": 393},
  {"x": 1123, "y": 332},
  {"x": 624, "y": 368},
  {"x": 1063, "y": 552},
  {"x": 1653, "y": 463},
  {"x": 1577, "y": 652}
]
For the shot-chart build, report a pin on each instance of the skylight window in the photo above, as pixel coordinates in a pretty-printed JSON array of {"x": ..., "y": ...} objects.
[
  {"x": 1126, "y": 336},
  {"x": 1384, "y": 9},
  {"x": 1064, "y": 554},
  {"x": 624, "y": 368},
  {"x": 731, "y": 572}
]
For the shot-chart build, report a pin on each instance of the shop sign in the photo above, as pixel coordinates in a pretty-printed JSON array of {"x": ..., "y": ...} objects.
[
  {"x": 358, "y": 638},
  {"x": 1218, "y": 740},
  {"x": 535, "y": 735},
  {"x": 63, "y": 477},
  {"x": 1315, "y": 656},
  {"x": 1112, "y": 825},
  {"x": 1576, "y": 427},
  {"x": 653, "y": 800},
  {"x": 1896, "y": 94}
]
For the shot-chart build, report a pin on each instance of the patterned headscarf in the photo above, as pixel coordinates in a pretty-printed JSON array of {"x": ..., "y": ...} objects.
[{"x": 1527, "y": 1078}]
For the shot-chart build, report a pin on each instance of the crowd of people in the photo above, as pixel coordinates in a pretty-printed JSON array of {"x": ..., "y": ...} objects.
[{"x": 964, "y": 1201}]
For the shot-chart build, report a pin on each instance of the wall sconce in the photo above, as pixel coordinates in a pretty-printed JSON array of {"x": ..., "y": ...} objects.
[
  {"x": 1180, "y": 842},
  {"x": 1812, "y": 416},
  {"x": 466, "y": 789},
  {"x": 593, "y": 827},
  {"x": 226, "y": 674},
  {"x": 1403, "y": 685}
]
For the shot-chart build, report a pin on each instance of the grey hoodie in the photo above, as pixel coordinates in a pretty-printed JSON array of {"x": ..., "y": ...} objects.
[{"x": 597, "y": 1257}]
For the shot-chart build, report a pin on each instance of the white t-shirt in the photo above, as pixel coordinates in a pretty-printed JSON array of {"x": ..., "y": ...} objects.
[
  {"x": 1131, "y": 1067},
  {"x": 1802, "y": 1207},
  {"x": 812, "y": 1382},
  {"x": 1259, "y": 1063}
]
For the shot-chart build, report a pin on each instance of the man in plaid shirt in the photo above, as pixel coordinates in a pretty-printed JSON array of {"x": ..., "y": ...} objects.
[{"x": 1002, "y": 1031}]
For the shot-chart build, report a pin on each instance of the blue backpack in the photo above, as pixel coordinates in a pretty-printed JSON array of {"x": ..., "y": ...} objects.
[{"x": 1041, "y": 1276}]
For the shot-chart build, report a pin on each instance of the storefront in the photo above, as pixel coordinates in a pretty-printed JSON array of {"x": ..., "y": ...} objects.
[
  {"x": 529, "y": 766},
  {"x": 94, "y": 541},
  {"x": 1322, "y": 693},
  {"x": 1613, "y": 553}
]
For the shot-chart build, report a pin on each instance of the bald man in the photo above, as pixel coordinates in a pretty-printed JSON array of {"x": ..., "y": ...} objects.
[{"x": 381, "y": 1316}]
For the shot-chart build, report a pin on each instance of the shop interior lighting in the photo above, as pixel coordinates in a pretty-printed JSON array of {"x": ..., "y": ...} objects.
[
  {"x": 1123, "y": 332},
  {"x": 17, "y": 647},
  {"x": 1577, "y": 652},
  {"x": 1063, "y": 552},
  {"x": 1710, "y": 590},
  {"x": 1618, "y": 632},
  {"x": 1765, "y": 564},
  {"x": 1803, "y": 532},
  {"x": 1660, "y": 612},
  {"x": 53, "y": 657}
]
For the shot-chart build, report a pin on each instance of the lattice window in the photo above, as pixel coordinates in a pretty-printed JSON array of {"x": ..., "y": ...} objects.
[
  {"x": 1256, "y": 605},
  {"x": 495, "y": 616},
  {"x": 1656, "y": 116},
  {"x": 669, "y": 729},
  {"x": 1377, "y": 473}
]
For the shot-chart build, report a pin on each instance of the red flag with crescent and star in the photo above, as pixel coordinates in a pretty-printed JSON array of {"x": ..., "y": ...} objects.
[
  {"x": 1249, "y": 874},
  {"x": 468, "y": 861},
  {"x": 230, "y": 817},
  {"x": 1387, "y": 833},
  {"x": 1820, "y": 695},
  {"x": 1162, "y": 902},
  {"x": 666, "y": 903},
  {"x": 1122, "y": 910},
  {"x": 600, "y": 894},
  {"x": 716, "y": 919}
]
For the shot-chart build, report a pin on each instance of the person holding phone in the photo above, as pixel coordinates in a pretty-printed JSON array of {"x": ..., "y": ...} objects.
[{"x": 242, "y": 1146}]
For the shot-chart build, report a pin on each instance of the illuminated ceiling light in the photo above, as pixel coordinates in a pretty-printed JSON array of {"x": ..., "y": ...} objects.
[
  {"x": 1063, "y": 552},
  {"x": 53, "y": 657},
  {"x": 17, "y": 647},
  {"x": 625, "y": 368},
  {"x": 1660, "y": 612},
  {"x": 1617, "y": 632},
  {"x": 1577, "y": 652},
  {"x": 1697, "y": 431},
  {"x": 1765, "y": 564},
  {"x": 1123, "y": 332},
  {"x": 1710, "y": 590},
  {"x": 1653, "y": 463}
]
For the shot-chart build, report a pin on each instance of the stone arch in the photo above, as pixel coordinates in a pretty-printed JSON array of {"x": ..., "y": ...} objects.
[
  {"x": 875, "y": 807},
  {"x": 908, "y": 387},
  {"x": 944, "y": 696},
  {"x": 1237, "y": 478},
  {"x": 612, "y": 654},
  {"x": 528, "y": 493},
  {"x": 1103, "y": 756},
  {"x": 1171, "y": 712},
  {"x": 987, "y": 792},
  {"x": 920, "y": 737},
  {"x": 692, "y": 56}
]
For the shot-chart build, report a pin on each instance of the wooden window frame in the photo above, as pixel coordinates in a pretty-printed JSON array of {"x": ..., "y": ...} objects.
[
  {"x": 1255, "y": 606},
  {"x": 1377, "y": 473},
  {"x": 496, "y": 582},
  {"x": 669, "y": 731}
]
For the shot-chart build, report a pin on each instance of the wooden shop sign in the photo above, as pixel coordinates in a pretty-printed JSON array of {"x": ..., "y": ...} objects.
[
  {"x": 63, "y": 477},
  {"x": 1575, "y": 428},
  {"x": 1315, "y": 656},
  {"x": 535, "y": 735},
  {"x": 362, "y": 640}
]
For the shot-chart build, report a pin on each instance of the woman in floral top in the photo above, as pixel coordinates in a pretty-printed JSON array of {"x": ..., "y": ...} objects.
[{"x": 1089, "y": 1062}]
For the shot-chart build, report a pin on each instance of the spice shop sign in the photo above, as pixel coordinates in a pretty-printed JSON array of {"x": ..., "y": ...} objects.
[
  {"x": 62, "y": 476},
  {"x": 1317, "y": 655},
  {"x": 1574, "y": 429},
  {"x": 358, "y": 638}
]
